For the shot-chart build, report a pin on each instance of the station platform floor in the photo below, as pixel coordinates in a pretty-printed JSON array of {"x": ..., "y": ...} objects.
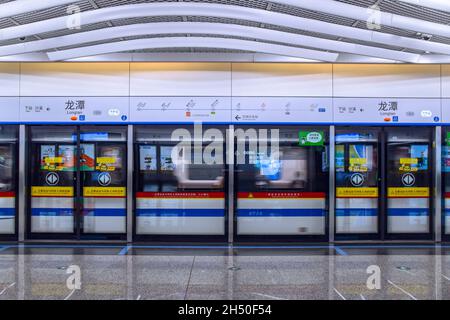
[{"x": 145, "y": 272}]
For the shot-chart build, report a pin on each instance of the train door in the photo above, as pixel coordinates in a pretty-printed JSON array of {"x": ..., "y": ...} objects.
[
  {"x": 8, "y": 182},
  {"x": 77, "y": 183},
  {"x": 357, "y": 184},
  {"x": 180, "y": 183},
  {"x": 409, "y": 183},
  {"x": 281, "y": 184}
]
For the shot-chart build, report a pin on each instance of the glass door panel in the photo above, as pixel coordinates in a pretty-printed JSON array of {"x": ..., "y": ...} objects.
[
  {"x": 409, "y": 181},
  {"x": 103, "y": 171},
  {"x": 180, "y": 185},
  {"x": 77, "y": 182},
  {"x": 53, "y": 180},
  {"x": 357, "y": 182},
  {"x": 281, "y": 183}
]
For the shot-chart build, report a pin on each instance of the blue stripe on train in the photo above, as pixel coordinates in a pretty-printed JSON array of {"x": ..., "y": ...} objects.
[
  {"x": 356, "y": 212},
  {"x": 7, "y": 212},
  {"x": 408, "y": 212},
  {"x": 52, "y": 212},
  {"x": 447, "y": 212},
  {"x": 281, "y": 213},
  {"x": 105, "y": 212},
  {"x": 180, "y": 212}
]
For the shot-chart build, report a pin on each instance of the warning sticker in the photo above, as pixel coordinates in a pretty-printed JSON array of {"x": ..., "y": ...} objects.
[
  {"x": 417, "y": 192},
  {"x": 52, "y": 191},
  {"x": 104, "y": 191},
  {"x": 357, "y": 192},
  {"x": 409, "y": 161}
]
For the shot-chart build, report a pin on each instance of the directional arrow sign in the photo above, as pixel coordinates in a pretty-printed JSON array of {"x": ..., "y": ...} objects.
[
  {"x": 237, "y": 118},
  {"x": 357, "y": 179},
  {"x": 408, "y": 179},
  {"x": 104, "y": 179},
  {"x": 52, "y": 179}
]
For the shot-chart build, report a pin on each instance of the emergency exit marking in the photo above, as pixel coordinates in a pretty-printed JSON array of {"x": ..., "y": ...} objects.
[
  {"x": 408, "y": 179},
  {"x": 52, "y": 179},
  {"x": 104, "y": 179},
  {"x": 357, "y": 179}
]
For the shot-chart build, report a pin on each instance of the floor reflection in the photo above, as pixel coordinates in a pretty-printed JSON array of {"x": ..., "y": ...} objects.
[{"x": 237, "y": 275}]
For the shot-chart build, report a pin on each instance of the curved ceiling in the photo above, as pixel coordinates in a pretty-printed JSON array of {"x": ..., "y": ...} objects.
[{"x": 400, "y": 31}]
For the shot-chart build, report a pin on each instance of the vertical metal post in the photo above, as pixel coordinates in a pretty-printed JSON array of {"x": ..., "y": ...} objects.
[
  {"x": 332, "y": 184},
  {"x": 438, "y": 184},
  {"x": 21, "y": 185},
  {"x": 130, "y": 198},
  {"x": 230, "y": 161}
]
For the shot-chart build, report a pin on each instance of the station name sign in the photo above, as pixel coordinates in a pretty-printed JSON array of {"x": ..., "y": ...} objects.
[
  {"x": 387, "y": 110},
  {"x": 224, "y": 110}
]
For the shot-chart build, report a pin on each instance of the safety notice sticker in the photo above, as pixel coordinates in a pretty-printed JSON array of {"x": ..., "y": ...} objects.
[
  {"x": 357, "y": 192},
  {"x": 417, "y": 192},
  {"x": 52, "y": 192},
  {"x": 104, "y": 191}
]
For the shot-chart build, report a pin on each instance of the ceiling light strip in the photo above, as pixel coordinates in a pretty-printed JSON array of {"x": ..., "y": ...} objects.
[
  {"x": 17, "y": 7},
  {"x": 442, "y": 5},
  {"x": 192, "y": 42},
  {"x": 147, "y": 29}
]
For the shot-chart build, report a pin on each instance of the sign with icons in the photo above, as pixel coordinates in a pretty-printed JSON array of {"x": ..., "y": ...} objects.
[
  {"x": 387, "y": 110},
  {"x": 52, "y": 178},
  {"x": 311, "y": 138},
  {"x": 9, "y": 109},
  {"x": 74, "y": 109},
  {"x": 281, "y": 110},
  {"x": 180, "y": 109},
  {"x": 408, "y": 179},
  {"x": 357, "y": 179}
]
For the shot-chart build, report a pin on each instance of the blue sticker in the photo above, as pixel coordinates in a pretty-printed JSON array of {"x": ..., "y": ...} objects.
[
  {"x": 436, "y": 119},
  {"x": 395, "y": 118},
  {"x": 82, "y": 117},
  {"x": 322, "y": 110},
  {"x": 124, "y": 118}
]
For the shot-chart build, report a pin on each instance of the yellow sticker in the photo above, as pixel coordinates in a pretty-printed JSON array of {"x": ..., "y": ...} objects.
[
  {"x": 106, "y": 160},
  {"x": 359, "y": 161},
  {"x": 409, "y": 161},
  {"x": 104, "y": 191},
  {"x": 408, "y": 192},
  {"x": 53, "y": 160},
  {"x": 52, "y": 191},
  {"x": 357, "y": 192},
  {"x": 357, "y": 168},
  {"x": 407, "y": 168}
]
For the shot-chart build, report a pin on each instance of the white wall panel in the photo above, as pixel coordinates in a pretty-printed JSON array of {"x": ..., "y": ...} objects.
[
  {"x": 403, "y": 81},
  {"x": 75, "y": 79},
  {"x": 446, "y": 81},
  {"x": 9, "y": 79},
  {"x": 180, "y": 79},
  {"x": 273, "y": 79}
]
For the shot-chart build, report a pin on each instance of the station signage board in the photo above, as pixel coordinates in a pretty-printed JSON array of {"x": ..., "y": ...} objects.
[
  {"x": 9, "y": 109},
  {"x": 180, "y": 109},
  {"x": 281, "y": 110},
  {"x": 387, "y": 110},
  {"x": 74, "y": 109}
]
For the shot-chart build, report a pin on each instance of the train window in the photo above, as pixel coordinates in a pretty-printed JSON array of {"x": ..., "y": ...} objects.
[
  {"x": 8, "y": 176},
  {"x": 179, "y": 192},
  {"x": 282, "y": 181}
]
